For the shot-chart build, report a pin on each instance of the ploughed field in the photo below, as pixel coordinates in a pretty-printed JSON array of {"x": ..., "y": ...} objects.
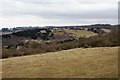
[{"x": 99, "y": 62}]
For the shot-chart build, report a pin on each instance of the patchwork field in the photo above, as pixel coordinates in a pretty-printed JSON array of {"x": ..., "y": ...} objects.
[{"x": 75, "y": 63}]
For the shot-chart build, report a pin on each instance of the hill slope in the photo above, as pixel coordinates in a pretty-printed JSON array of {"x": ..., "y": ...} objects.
[
  {"x": 81, "y": 33},
  {"x": 74, "y": 63}
]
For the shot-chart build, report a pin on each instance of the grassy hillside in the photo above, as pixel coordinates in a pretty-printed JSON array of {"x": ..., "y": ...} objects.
[
  {"x": 75, "y": 33},
  {"x": 81, "y": 33},
  {"x": 74, "y": 63}
]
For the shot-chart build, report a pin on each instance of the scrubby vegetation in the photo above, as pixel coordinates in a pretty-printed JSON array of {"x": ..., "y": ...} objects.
[{"x": 27, "y": 48}]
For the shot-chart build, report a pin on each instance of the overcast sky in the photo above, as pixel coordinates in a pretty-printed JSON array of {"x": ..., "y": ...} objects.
[{"x": 57, "y": 12}]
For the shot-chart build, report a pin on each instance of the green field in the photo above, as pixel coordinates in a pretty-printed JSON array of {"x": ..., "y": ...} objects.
[{"x": 74, "y": 63}]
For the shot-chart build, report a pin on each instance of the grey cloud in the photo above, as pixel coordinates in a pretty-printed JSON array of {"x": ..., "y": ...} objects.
[
  {"x": 58, "y": 14},
  {"x": 80, "y": 15},
  {"x": 62, "y": 11}
]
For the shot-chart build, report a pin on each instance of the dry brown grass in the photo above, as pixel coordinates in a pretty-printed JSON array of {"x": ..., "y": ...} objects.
[
  {"x": 75, "y": 63},
  {"x": 81, "y": 33},
  {"x": 106, "y": 30}
]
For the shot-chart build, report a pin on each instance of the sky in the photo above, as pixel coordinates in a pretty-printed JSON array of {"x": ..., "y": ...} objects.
[{"x": 16, "y": 13}]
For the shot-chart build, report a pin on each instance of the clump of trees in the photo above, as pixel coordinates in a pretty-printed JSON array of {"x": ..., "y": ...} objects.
[{"x": 33, "y": 34}]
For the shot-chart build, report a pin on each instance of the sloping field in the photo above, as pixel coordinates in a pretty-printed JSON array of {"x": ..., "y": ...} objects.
[
  {"x": 75, "y": 63},
  {"x": 81, "y": 33}
]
